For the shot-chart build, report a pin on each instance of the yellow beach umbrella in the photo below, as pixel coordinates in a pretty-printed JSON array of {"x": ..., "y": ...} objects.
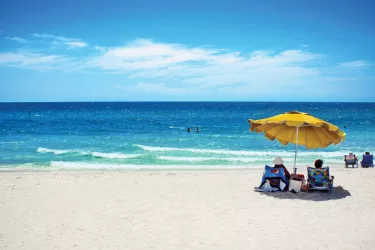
[{"x": 292, "y": 127}]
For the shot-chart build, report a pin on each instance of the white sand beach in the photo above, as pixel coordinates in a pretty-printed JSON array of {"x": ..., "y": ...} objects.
[{"x": 181, "y": 210}]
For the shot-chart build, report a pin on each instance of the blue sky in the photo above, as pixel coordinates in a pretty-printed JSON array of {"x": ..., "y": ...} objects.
[{"x": 191, "y": 51}]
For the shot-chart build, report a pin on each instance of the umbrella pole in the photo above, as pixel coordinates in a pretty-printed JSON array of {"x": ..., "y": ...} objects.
[{"x": 295, "y": 154}]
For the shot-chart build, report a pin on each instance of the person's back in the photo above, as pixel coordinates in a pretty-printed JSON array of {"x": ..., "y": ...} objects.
[
  {"x": 367, "y": 160},
  {"x": 273, "y": 179},
  {"x": 287, "y": 174},
  {"x": 318, "y": 176},
  {"x": 350, "y": 159},
  {"x": 279, "y": 163}
]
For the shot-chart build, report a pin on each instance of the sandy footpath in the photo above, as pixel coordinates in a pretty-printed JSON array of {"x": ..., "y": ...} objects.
[{"x": 181, "y": 210}]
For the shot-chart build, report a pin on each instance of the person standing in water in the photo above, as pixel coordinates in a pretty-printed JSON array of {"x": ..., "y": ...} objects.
[
  {"x": 188, "y": 130},
  {"x": 196, "y": 130}
]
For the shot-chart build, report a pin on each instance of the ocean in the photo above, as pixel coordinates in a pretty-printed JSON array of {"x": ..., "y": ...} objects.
[{"x": 141, "y": 135}]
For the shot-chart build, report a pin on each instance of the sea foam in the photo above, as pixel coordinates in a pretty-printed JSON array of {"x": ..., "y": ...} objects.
[
  {"x": 88, "y": 165},
  {"x": 242, "y": 152},
  {"x": 53, "y": 151},
  {"x": 94, "y": 154},
  {"x": 203, "y": 159},
  {"x": 114, "y": 155}
]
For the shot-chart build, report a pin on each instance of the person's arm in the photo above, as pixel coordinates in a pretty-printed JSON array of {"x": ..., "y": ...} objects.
[{"x": 287, "y": 174}]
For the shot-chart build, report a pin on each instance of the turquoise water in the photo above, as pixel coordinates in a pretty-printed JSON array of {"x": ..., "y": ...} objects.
[{"x": 134, "y": 135}]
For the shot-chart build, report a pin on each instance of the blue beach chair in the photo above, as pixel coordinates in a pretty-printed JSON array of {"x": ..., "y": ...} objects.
[
  {"x": 319, "y": 179},
  {"x": 367, "y": 161},
  {"x": 271, "y": 173},
  {"x": 350, "y": 160}
]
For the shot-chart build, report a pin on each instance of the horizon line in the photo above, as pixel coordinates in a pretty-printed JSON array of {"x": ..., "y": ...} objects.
[{"x": 184, "y": 102}]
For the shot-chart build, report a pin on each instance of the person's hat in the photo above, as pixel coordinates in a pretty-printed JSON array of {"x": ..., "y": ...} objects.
[
  {"x": 278, "y": 160},
  {"x": 350, "y": 153}
]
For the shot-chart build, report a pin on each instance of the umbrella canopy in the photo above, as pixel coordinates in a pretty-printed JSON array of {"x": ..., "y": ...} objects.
[{"x": 298, "y": 128}]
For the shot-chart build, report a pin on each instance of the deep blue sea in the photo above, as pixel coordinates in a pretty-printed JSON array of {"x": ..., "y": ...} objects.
[{"x": 136, "y": 135}]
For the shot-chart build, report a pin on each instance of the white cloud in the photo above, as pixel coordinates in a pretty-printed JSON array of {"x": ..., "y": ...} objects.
[
  {"x": 32, "y": 61},
  {"x": 144, "y": 54},
  {"x": 53, "y": 37},
  {"x": 100, "y": 48},
  {"x": 355, "y": 64},
  {"x": 44, "y": 36},
  {"x": 76, "y": 44},
  {"x": 16, "y": 39},
  {"x": 203, "y": 66},
  {"x": 189, "y": 68},
  {"x": 56, "y": 40},
  {"x": 26, "y": 59}
]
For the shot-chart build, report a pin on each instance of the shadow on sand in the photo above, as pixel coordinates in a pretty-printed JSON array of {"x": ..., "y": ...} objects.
[{"x": 337, "y": 194}]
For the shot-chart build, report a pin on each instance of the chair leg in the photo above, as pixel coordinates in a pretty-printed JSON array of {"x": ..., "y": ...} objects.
[
  {"x": 331, "y": 188},
  {"x": 308, "y": 186}
]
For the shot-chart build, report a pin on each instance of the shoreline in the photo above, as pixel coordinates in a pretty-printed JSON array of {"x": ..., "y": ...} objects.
[{"x": 92, "y": 167}]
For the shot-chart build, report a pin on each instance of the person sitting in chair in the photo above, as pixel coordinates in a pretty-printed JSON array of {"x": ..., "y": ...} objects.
[
  {"x": 350, "y": 159},
  {"x": 318, "y": 164},
  {"x": 319, "y": 177},
  {"x": 367, "y": 160},
  {"x": 279, "y": 163}
]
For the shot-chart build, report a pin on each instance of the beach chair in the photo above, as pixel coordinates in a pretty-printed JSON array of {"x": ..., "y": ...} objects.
[
  {"x": 350, "y": 160},
  {"x": 319, "y": 179},
  {"x": 367, "y": 161},
  {"x": 271, "y": 173}
]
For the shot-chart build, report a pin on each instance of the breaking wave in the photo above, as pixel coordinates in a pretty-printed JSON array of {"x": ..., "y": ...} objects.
[
  {"x": 53, "y": 151},
  {"x": 242, "y": 152},
  {"x": 200, "y": 159},
  {"x": 88, "y": 165},
  {"x": 114, "y": 155},
  {"x": 94, "y": 154}
]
